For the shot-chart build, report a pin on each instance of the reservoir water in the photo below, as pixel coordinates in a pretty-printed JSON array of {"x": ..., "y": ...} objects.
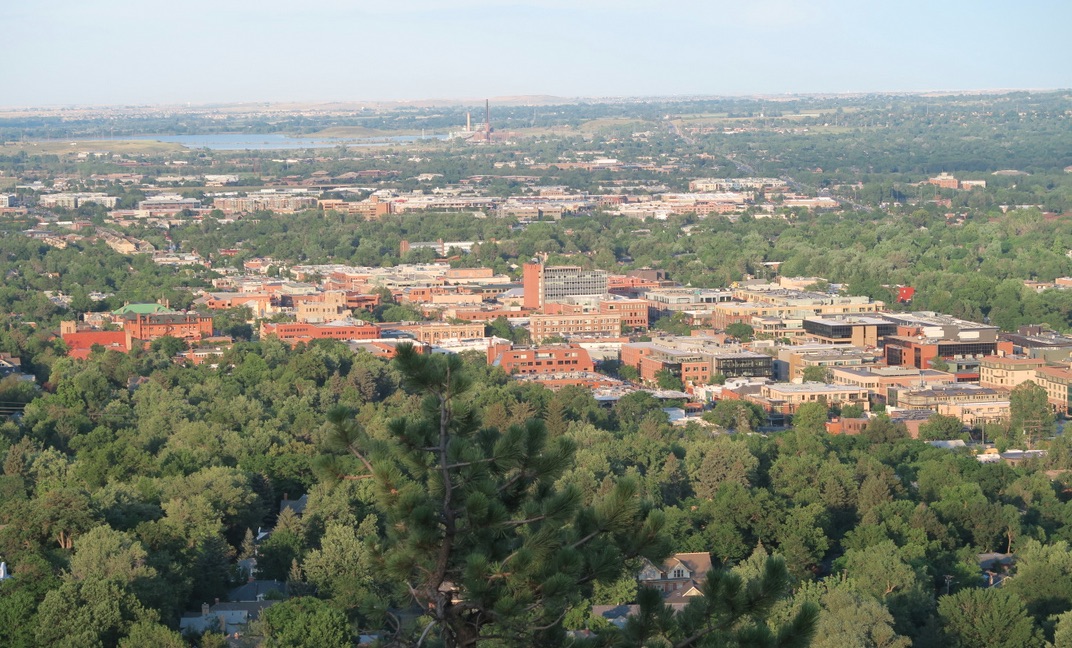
[{"x": 273, "y": 141}]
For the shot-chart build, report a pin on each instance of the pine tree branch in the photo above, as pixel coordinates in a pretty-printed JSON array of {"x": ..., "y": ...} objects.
[
  {"x": 463, "y": 464},
  {"x": 449, "y": 516},
  {"x": 424, "y": 634},
  {"x": 586, "y": 539},
  {"x": 526, "y": 521}
]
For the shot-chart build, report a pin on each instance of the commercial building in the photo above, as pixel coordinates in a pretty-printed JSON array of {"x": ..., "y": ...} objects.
[
  {"x": 433, "y": 332},
  {"x": 265, "y": 201},
  {"x": 545, "y": 284},
  {"x": 786, "y": 398},
  {"x": 977, "y": 414},
  {"x": 858, "y": 331},
  {"x": 633, "y": 312},
  {"x": 666, "y": 301},
  {"x": 168, "y": 204},
  {"x": 879, "y": 380},
  {"x": 929, "y": 398},
  {"x": 925, "y": 337},
  {"x": 791, "y": 361},
  {"x": 693, "y": 364},
  {"x": 1038, "y": 342},
  {"x": 788, "y": 304}
]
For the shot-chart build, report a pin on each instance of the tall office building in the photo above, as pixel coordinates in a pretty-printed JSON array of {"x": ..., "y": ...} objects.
[{"x": 543, "y": 284}]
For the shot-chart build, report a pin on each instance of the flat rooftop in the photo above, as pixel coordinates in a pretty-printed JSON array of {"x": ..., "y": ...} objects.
[
  {"x": 809, "y": 387},
  {"x": 852, "y": 320}
]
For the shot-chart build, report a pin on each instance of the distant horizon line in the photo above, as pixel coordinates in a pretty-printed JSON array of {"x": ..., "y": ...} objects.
[{"x": 533, "y": 99}]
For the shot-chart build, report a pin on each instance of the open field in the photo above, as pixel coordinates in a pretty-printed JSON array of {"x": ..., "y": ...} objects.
[{"x": 609, "y": 123}]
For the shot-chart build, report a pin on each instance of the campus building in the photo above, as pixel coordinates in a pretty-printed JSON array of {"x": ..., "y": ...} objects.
[
  {"x": 589, "y": 325},
  {"x": 295, "y": 332},
  {"x": 545, "y": 284},
  {"x": 556, "y": 358}
]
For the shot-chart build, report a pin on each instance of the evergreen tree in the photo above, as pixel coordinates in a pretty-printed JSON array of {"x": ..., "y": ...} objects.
[{"x": 477, "y": 531}]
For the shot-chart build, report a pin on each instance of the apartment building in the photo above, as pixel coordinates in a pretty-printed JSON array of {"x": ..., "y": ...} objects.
[
  {"x": 1057, "y": 381},
  {"x": 76, "y": 200},
  {"x": 1006, "y": 372},
  {"x": 371, "y": 209}
]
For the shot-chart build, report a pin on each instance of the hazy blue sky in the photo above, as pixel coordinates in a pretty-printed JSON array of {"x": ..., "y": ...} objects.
[{"x": 201, "y": 51}]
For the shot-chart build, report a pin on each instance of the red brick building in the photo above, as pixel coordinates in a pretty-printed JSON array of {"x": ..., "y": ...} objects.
[
  {"x": 634, "y": 312},
  {"x": 434, "y": 332},
  {"x": 80, "y": 343},
  {"x": 295, "y": 332},
  {"x": 535, "y": 360},
  {"x": 581, "y": 325},
  {"x": 151, "y": 326}
]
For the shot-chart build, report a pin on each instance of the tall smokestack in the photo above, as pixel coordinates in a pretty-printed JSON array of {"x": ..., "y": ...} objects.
[
  {"x": 487, "y": 120},
  {"x": 468, "y": 122}
]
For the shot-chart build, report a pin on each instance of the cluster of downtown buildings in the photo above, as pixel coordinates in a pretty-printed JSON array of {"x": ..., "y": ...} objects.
[{"x": 578, "y": 321}]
